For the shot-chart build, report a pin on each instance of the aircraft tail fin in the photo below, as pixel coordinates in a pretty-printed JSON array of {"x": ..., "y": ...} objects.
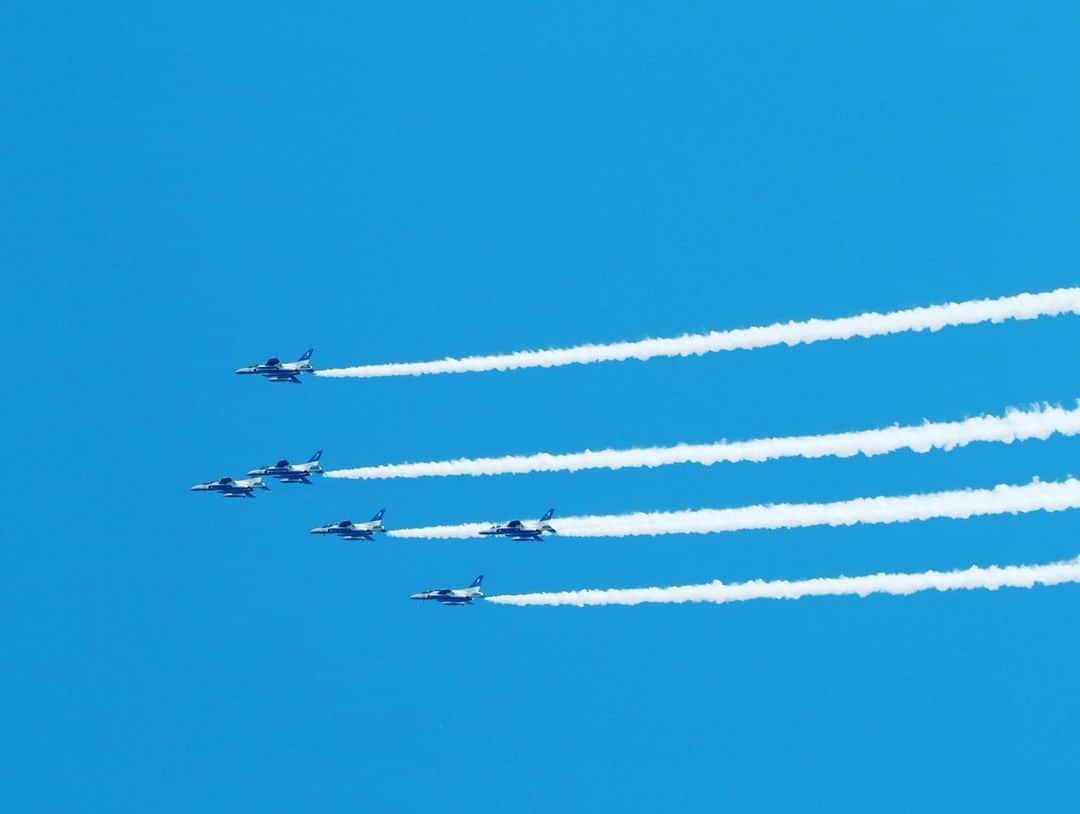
[
  {"x": 547, "y": 515},
  {"x": 315, "y": 457},
  {"x": 378, "y": 515},
  {"x": 307, "y": 355},
  {"x": 476, "y": 582}
]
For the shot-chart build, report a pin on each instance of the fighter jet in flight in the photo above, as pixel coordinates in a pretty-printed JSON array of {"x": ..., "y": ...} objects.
[
  {"x": 232, "y": 488},
  {"x": 454, "y": 596},
  {"x": 348, "y": 530},
  {"x": 277, "y": 371},
  {"x": 516, "y": 530},
  {"x": 286, "y": 472}
]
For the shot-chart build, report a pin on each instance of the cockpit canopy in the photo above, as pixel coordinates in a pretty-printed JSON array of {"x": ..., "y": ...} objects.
[
  {"x": 344, "y": 524},
  {"x": 282, "y": 463},
  {"x": 224, "y": 481},
  {"x": 514, "y": 524},
  {"x": 273, "y": 361}
]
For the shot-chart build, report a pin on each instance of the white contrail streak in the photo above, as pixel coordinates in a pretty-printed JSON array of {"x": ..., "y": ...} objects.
[
  {"x": 974, "y": 578},
  {"x": 928, "y": 318},
  {"x": 961, "y": 505},
  {"x": 1015, "y": 425}
]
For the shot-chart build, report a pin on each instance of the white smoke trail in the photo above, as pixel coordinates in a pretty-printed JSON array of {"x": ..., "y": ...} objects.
[
  {"x": 974, "y": 578},
  {"x": 1015, "y": 425},
  {"x": 928, "y": 318},
  {"x": 960, "y": 505}
]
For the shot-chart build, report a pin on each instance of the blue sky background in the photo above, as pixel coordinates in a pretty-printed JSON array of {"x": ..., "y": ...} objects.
[{"x": 191, "y": 187}]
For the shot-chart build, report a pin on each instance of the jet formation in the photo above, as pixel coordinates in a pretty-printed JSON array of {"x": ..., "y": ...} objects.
[
  {"x": 282, "y": 471},
  {"x": 274, "y": 370}
]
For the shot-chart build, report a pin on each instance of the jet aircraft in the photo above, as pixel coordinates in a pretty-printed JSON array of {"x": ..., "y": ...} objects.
[
  {"x": 231, "y": 487},
  {"x": 286, "y": 472},
  {"x": 348, "y": 530},
  {"x": 516, "y": 530},
  {"x": 454, "y": 596},
  {"x": 277, "y": 371}
]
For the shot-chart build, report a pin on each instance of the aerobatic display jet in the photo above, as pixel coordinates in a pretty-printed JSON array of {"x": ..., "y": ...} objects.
[
  {"x": 348, "y": 530},
  {"x": 277, "y": 371},
  {"x": 231, "y": 487},
  {"x": 286, "y": 472},
  {"x": 516, "y": 530},
  {"x": 454, "y": 596}
]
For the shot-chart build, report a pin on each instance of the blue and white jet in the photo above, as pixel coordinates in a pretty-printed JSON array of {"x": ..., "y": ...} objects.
[
  {"x": 454, "y": 596},
  {"x": 286, "y": 472},
  {"x": 277, "y": 371},
  {"x": 231, "y": 487},
  {"x": 348, "y": 530},
  {"x": 516, "y": 530}
]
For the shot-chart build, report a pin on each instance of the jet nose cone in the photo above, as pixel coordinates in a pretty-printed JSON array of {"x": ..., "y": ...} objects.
[{"x": 318, "y": 531}]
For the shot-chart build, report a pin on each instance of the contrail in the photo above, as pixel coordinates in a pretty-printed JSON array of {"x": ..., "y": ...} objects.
[
  {"x": 974, "y": 578},
  {"x": 961, "y": 505},
  {"x": 927, "y": 318},
  {"x": 1015, "y": 425}
]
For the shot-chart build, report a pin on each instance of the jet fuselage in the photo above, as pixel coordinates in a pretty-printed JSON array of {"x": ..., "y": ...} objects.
[
  {"x": 230, "y": 487},
  {"x": 348, "y": 530},
  {"x": 453, "y": 596}
]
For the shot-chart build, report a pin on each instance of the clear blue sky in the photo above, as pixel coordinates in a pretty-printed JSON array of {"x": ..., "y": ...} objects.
[{"x": 189, "y": 187}]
